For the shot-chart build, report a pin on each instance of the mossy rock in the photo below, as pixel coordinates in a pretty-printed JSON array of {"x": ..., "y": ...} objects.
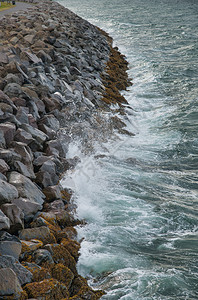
[
  {"x": 62, "y": 274},
  {"x": 72, "y": 246},
  {"x": 48, "y": 289}
]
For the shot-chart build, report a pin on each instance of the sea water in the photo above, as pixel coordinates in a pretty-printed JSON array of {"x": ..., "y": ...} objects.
[{"x": 140, "y": 199}]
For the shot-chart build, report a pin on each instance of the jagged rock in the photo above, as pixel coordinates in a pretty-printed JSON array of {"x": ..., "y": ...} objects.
[
  {"x": 44, "y": 56},
  {"x": 30, "y": 39},
  {"x": 51, "y": 122},
  {"x": 6, "y": 108},
  {"x": 22, "y": 115},
  {"x": 8, "y": 130},
  {"x": 52, "y": 193},
  {"x": 40, "y": 233},
  {"x": 28, "y": 207},
  {"x": 41, "y": 256},
  {"x": 49, "y": 104},
  {"x": 3, "y": 58},
  {"x": 39, "y": 222},
  {"x": 62, "y": 274},
  {"x": 26, "y": 188},
  {"x": 8, "y": 192},
  {"x": 50, "y": 132},
  {"x": 24, "y": 276},
  {"x": 2, "y": 140},
  {"x": 23, "y": 136},
  {"x": 3, "y": 166},
  {"x": 9, "y": 284},
  {"x": 9, "y": 245},
  {"x": 19, "y": 101},
  {"x": 37, "y": 134},
  {"x": 15, "y": 215},
  {"x": 9, "y": 155},
  {"x": 55, "y": 147},
  {"x": 46, "y": 179},
  {"x": 13, "y": 78},
  {"x": 23, "y": 169},
  {"x": 24, "y": 151},
  {"x": 32, "y": 121},
  {"x": 4, "y": 221}
]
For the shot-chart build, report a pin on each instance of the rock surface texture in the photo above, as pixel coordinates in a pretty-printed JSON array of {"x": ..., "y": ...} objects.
[{"x": 59, "y": 81}]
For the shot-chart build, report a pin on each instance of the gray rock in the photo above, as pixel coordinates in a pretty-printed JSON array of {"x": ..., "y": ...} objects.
[
  {"x": 30, "y": 39},
  {"x": 46, "y": 179},
  {"x": 3, "y": 58},
  {"x": 28, "y": 207},
  {"x": 37, "y": 134},
  {"x": 3, "y": 166},
  {"x": 24, "y": 151},
  {"x": 8, "y": 130},
  {"x": 9, "y": 155},
  {"x": 8, "y": 192},
  {"x": 42, "y": 256},
  {"x": 4, "y": 221},
  {"x": 50, "y": 132},
  {"x": 22, "y": 115},
  {"x": 9, "y": 284},
  {"x": 24, "y": 275},
  {"x": 26, "y": 188},
  {"x": 15, "y": 215},
  {"x": 9, "y": 245},
  {"x": 2, "y": 140},
  {"x": 40, "y": 233},
  {"x": 51, "y": 122},
  {"x": 23, "y": 136},
  {"x": 13, "y": 90},
  {"x": 13, "y": 78},
  {"x": 23, "y": 169}
]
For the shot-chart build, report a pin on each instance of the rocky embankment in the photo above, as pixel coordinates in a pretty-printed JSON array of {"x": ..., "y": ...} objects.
[{"x": 59, "y": 76}]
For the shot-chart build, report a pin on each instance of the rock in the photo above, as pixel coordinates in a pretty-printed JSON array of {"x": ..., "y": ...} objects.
[
  {"x": 39, "y": 222},
  {"x": 15, "y": 215},
  {"x": 4, "y": 221},
  {"x": 56, "y": 147},
  {"x": 37, "y": 134},
  {"x": 8, "y": 192},
  {"x": 23, "y": 136},
  {"x": 8, "y": 130},
  {"x": 13, "y": 78},
  {"x": 48, "y": 131},
  {"x": 2, "y": 140},
  {"x": 3, "y": 166},
  {"x": 52, "y": 193},
  {"x": 24, "y": 276},
  {"x": 9, "y": 245},
  {"x": 30, "y": 246},
  {"x": 62, "y": 274},
  {"x": 22, "y": 115},
  {"x": 3, "y": 58},
  {"x": 41, "y": 233},
  {"x": 51, "y": 122},
  {"x": 26, "y": 188},
  {"x": 13, "y": 90},
  {"x": 9, "y": 284},
  {"x": 28, "y": 207},
  {"x": 19, "y": 101},
  {"x": 25, "y": 152},
  {"x": 23, "y": 169},
  {"x": 9, "y": 155},
  {"x": 49, "y": 104},
  {"x": 41, "y": 256},
  {"x": 45, "y": 179},
  {"x": 50, "y": 287},
  {"x": 30, "y": 56},
  {"x": 6, "y": 108}
]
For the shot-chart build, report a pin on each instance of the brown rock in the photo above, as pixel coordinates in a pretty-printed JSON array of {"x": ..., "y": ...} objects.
[
  {"x": 40, "y": 233},
  {"x": 3, "y": 58},
  {"x": 62, "y": 274},
  {"x": 52, "y": 193},
  {"x": 6, "y": 108},
  {"x": 23, "y": 136}
]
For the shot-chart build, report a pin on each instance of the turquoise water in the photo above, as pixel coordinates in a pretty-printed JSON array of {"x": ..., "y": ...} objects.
[{"x": 141, "y": 199}]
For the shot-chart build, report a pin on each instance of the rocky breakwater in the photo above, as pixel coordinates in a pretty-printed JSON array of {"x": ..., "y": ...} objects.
[{"x": 59, "y": 76}]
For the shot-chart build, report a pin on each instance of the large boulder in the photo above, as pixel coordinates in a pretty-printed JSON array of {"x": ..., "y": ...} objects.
[
  {"x": 9, "y": 245},
  {"x": 8, "y": 192},
  {"x": 9, "y": 284},
  {"x": 7, "y": 261},
  {"x": 40, "y": 233},
  {"x": 26, "y": 188}
]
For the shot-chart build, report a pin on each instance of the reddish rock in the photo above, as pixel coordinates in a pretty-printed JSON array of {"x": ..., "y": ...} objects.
[{"x": 52, "y": 193}]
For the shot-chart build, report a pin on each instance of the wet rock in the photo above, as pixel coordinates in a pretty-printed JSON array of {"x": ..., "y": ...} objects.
[
  {"x": 15, "y": 215},
  {"x": 8, "y": 192},
  {"x": 24, "y": 276},
  {"x": 3, "y": 166},
  {"x": 9, "y": 245},
  {"x": 26, "y": 188},
  {"x": 62, "y": 274},
  {"x": 28, "y": 207},
  {"x": 4, "y": 221},
  {"x": 8, "y": 130},
  {"x": 9, "y": 284},
  {"x": 41, "y": 233}
]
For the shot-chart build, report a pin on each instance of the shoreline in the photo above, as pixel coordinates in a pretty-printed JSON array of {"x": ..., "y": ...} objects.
[{"x": 59, "y": 75}]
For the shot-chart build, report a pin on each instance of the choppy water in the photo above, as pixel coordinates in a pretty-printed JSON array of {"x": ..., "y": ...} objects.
[{"x": 141, "y": 200}]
